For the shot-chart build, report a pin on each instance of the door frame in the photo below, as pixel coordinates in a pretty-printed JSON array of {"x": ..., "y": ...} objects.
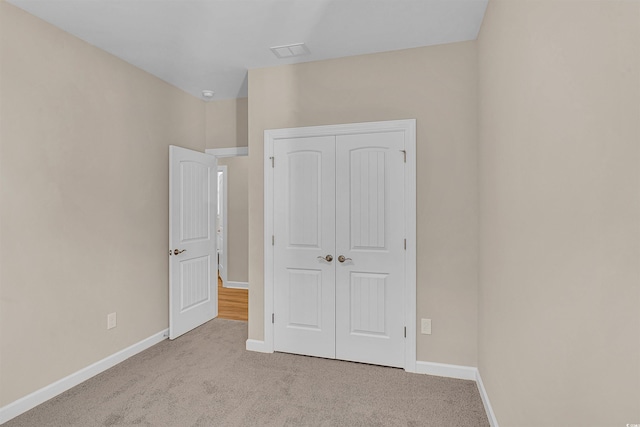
[
  {"x": 222, "y": 207},
  {"x": 409, "y": 129},
  {"x": 220, "y": 153}
]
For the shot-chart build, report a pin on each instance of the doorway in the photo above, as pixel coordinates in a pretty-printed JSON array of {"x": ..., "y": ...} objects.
[
  {"x": 231, "y": 232},
  {"x": 340, "y": 220},
  {"x": 221, "y": 223}
]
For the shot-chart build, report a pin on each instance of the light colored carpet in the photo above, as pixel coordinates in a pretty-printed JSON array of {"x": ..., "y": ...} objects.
[{"x": 207, "y": 378}]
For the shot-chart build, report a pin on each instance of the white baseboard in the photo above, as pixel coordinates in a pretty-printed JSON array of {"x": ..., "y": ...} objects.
[
  {"x": 444, "y": 370},
  {"x": 493, "y": 421},
  {"x": 34, "y": 399},
  {"x": 235, "y": 285},
  {"x": 463, "y": 373},
  {"x": 255, "y": 345}
]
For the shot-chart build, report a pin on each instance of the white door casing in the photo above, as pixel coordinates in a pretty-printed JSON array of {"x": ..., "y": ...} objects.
[
  {"x": 222, "y": 242},
  {"x": 355, "y": 300},
  {"x": 193, "y": 288},
  {"x": 218, "y": 153},
  {"x": 304, "y": 221}
]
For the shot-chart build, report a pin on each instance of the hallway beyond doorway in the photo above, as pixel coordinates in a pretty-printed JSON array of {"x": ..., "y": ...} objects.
[{"x": 233, "y": 303}]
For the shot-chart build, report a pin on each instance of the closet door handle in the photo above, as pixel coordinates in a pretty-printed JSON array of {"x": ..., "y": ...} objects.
[
  {"x": 341, "y": 258},
  {"x": 327, "y": 258},
  {"x": 177, "y": 252}
]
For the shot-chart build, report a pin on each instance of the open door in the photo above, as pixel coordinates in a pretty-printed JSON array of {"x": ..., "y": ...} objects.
[{"x": 193, "y": 287}]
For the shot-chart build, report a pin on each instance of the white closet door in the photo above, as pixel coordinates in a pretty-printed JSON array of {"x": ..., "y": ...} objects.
[
  {"x": 370, "y": 234},
  {"x": 193, "y": 282},
  {"x": 341, "y": 196},
  {"x": 304, "y": 225}
]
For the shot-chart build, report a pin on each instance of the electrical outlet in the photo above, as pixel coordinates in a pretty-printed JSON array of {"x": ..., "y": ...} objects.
[
  {"x": 425, "y": 326},
  {"x": 111, "y": 320}
]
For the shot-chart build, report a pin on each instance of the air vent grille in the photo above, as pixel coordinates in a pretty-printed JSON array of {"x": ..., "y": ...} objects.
[{"x": 290, "y": 50}]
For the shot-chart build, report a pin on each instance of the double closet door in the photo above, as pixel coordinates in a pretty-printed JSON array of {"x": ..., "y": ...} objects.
[{"x": 339, "y": 248}]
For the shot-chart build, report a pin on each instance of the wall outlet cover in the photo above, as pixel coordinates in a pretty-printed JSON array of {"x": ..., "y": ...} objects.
[
  {"x": 425, "y": 326},
  {"x": 111, "y": 320}
]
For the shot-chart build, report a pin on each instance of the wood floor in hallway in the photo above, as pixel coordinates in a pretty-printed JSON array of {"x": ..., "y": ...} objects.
[{"x": 233, "y": 304}]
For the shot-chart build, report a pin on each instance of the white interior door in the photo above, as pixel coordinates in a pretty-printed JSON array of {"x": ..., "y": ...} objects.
[
  {"x": 304, "y": 224},
  {"x": 370, "y": 236},
  {"x": 193, "y": 289},
  {"x": 340, "y": 196}
]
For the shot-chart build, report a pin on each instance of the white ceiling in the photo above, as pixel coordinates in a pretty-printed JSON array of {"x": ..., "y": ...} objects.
[{"x": 210, "y": 44}]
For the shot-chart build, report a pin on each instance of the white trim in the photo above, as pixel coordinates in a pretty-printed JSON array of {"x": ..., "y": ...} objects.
[
  {"x": 257, "y": 345},
  {"x": 236, "y": 285},
  {"x": 268, "y": 247},
  {"x": 409, "y": 129},
  {"x": 220, "y": 153},
  {"x": 344, "y": 129},
  {"x": 410, "y": 212},
  {"x": 225, "y": 231},
  {"x": 463, "y": 373},
  {"x": 34, "y": 399},
  {"x": 493, "y": 421},
  {"x": 444, "y": 370},
  {"x": 228, "y": 152}
]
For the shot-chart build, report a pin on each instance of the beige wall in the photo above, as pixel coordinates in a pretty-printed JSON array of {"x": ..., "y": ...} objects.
[
  {"x": 559, "y": 336},
  {"x": 237, "y": 218},
  {"x": 83, "y": 201},
  {"x": 226, "y": 123},
  {"x": 435, "y": 85}
]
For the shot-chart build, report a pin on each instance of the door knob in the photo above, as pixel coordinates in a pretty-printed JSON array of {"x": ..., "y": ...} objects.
[
  {"x": 341, "y": 258},
  {"x": 176, "y": 252},
  {"x": 327, "y": 258}
]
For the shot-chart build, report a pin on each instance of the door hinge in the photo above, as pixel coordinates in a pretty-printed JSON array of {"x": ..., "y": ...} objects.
[
  {"x": 405, "y": 331},
  {"x": 405, "y": 244},
  {"x": 273, "y": 318},
  {"x": 405, "y": 155},
  {"x": 273, "y": 240},
  {"x": 273, "y": 161}
]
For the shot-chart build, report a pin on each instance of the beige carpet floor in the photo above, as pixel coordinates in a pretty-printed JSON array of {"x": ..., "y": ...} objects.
[{"x": 207, "y": 378}]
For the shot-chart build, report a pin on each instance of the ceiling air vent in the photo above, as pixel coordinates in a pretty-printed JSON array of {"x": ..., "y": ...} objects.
[{"x": 290, "y": 50}]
